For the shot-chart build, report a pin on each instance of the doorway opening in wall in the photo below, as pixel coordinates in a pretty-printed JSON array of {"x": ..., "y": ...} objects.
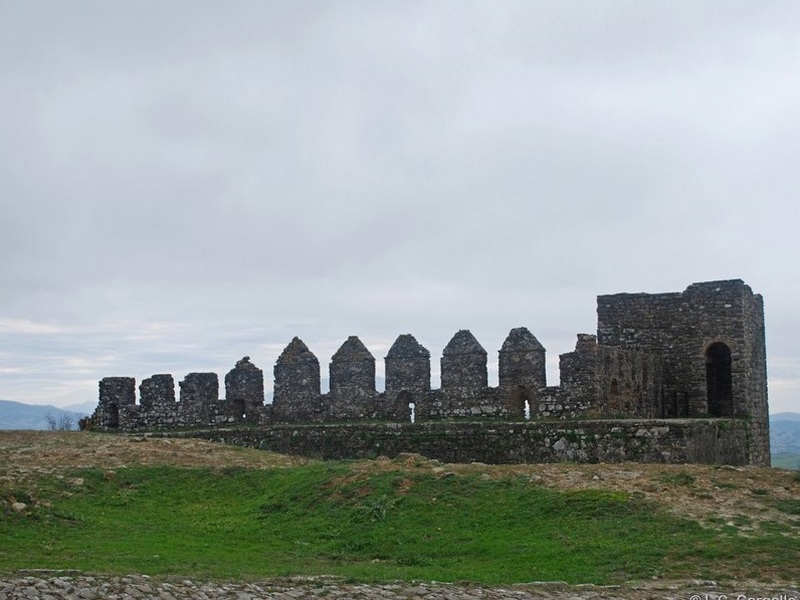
[
  {"x": 113, "y": 416},
  {"x": 719, "y": 381},
  {"x": 521, "y": 404},
  {"x": 406, "y": 407}
]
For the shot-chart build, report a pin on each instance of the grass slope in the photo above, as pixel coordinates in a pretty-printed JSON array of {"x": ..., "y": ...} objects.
[{"x": 329, "y": 518}]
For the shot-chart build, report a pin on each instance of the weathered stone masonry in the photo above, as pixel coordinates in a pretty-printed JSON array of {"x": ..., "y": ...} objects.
[
  {"x": 669, "y": 441},
  {"x": 676, "y": 357}
]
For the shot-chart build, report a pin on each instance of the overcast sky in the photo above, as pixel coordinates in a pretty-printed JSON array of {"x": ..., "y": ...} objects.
[{"x": 188, "y": 182}]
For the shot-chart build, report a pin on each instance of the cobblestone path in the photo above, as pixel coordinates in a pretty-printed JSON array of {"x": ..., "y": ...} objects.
[{"x": 137, "y": 587}]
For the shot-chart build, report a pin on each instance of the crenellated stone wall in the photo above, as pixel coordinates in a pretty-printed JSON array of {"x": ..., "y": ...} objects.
[{"x": 697, "y": 354}]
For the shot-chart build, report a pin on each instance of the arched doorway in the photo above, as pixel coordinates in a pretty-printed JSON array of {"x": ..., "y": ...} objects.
[
  {"x": 406, "y": 407},
  {"x": 521, "y": 404},
  {"x": 719, "y": 382}
]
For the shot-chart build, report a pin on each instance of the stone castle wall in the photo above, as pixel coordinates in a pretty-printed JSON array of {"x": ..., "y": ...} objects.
[
  {"x": 696, "y": 354},
  {"x": 668, "y": 441}
]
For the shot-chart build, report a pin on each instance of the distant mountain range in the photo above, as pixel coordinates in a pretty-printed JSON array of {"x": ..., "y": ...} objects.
[{"x": 16, "y": 415}]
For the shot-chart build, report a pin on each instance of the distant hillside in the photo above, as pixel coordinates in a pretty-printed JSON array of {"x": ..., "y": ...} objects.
[
  {"x": 784, "y": 434},
  {"x": 785, "y": 416},
  {"x": 16, "y": 415}
]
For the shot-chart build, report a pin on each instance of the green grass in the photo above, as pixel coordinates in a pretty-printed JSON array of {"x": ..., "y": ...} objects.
[
  {"x": 677, "y": 478},
  {"x": 329, "y": 519}
]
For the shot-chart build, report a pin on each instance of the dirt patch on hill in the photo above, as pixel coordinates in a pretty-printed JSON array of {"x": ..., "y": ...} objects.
[{"x": 47, "y": 451}]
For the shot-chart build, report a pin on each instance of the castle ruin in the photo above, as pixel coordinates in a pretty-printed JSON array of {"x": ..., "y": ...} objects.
[{"x": 678, "y": 366}]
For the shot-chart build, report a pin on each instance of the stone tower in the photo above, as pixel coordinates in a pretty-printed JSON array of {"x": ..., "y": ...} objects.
[{"x": 710, "y": 339}]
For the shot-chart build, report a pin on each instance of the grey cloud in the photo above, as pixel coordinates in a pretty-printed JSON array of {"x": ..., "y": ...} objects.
[{"x": 247, "y": 174}]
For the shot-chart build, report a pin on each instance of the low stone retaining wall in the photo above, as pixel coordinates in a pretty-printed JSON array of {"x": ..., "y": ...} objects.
[{"x": 709, "y": 441}]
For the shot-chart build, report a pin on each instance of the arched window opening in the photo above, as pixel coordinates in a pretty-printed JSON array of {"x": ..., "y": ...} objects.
[
  {"x": 719, "y": 382},
  {"x": 527, "y": 410},
  {"x": 412, "y": 411}
]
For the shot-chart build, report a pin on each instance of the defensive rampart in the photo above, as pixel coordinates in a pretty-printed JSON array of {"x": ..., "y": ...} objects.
[
  {"x": 675, "y": 441},
  {"x": 697, "y": 354}
]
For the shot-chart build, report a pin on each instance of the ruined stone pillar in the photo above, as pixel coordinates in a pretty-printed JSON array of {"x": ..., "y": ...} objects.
[
  {"x": 244, "y": 390},
  {"x": 352, "y": 378},
  {"x": 463, "y": 366},
  {"x": 199, "y": 388},
  {"x": 408, "y": 377},
  {"x": 297, "y": 384},
  {"x": 158, "y": 390},
  {"x": 522, "y": 372},
  {"x": 114, "y": 392},
  {"x": 522, "y": 361}
]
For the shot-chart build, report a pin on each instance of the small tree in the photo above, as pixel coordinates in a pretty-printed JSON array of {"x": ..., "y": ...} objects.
[
  {"x": 64, "y": 422},
  {"x": 52, "y": 423}
]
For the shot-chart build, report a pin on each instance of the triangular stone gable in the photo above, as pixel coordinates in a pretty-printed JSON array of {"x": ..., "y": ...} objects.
[
  {"x": 353, "y": 350},
  {"x": 296, "y": 352},
  {"x": 520, "y": 339},
  {"x": 406, "y": 346},
  {"x": 463, "y": 342}
]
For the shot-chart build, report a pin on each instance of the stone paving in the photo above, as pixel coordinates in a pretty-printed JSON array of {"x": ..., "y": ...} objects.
[{"x": 43, "y": 586}]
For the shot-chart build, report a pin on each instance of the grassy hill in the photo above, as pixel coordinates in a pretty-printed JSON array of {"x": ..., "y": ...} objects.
[{"x": 116, "y": 504}]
